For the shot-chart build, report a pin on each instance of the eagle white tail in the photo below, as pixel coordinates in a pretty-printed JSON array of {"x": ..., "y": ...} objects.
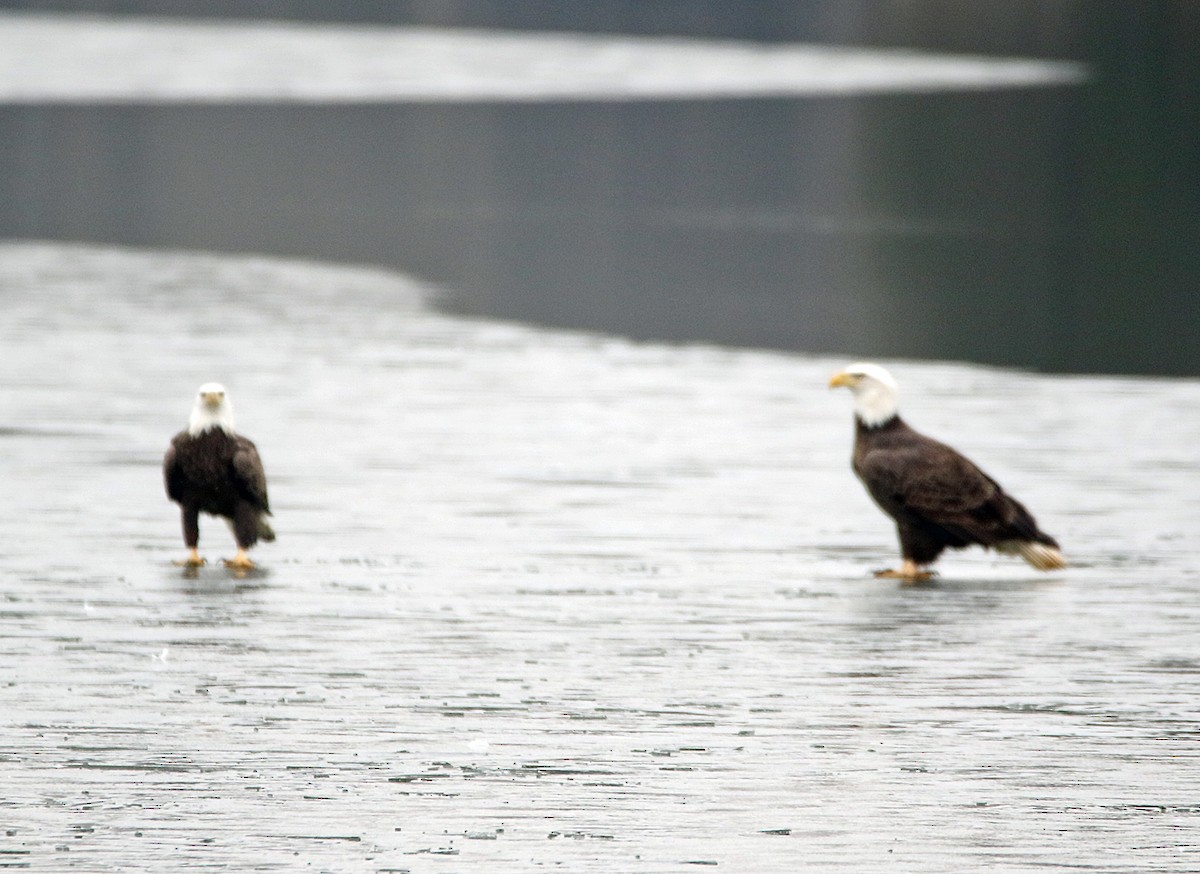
[{"x": 1040, "y": 555}]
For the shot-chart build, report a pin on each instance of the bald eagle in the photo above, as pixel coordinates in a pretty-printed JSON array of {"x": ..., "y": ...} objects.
[
  {"x": 210, "y": 468},
  {"x": 937, "y": 496}
]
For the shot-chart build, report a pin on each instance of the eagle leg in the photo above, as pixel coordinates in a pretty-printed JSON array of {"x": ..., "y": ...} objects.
[
  {"x": 194, "y": 559},
  {"x": 909, "y": 572},
  {"x": 240, "y": 562}
]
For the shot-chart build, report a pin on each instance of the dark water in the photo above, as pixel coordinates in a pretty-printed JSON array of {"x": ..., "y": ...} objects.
[
  {"x": 558, "y": 600},
  {"x": 1043, "y": 226}
]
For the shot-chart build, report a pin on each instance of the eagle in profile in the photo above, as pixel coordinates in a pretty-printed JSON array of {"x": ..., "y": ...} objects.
[
  {"x": 938, "y": 497},
  {"x": 210, "y": 468}
]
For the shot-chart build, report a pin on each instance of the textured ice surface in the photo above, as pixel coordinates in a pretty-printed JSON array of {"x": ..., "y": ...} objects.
[{"x": 544, "y": 599}]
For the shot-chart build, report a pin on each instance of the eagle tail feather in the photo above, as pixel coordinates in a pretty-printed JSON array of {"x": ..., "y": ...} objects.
[
  {"x": 1040, "y": 555},
  {"x": 265, "y": 531}
]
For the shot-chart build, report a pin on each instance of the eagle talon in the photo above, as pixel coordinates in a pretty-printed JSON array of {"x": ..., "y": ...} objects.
[
  {"x": 913, "y": 577},
  {"x": 909, "y": 571},
  {"x": 194, "y": 559},
  {"x": 240, "y": 562}
]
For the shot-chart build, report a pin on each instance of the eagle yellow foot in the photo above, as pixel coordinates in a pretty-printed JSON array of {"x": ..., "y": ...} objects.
[
  {"x": 193, "y": 560},
  {"x": 240, "y": 562},
  {"x": 909, "y": 572}
]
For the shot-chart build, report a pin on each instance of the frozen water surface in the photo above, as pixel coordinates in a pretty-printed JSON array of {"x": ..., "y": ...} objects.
[{"x": 544, "y": 600}]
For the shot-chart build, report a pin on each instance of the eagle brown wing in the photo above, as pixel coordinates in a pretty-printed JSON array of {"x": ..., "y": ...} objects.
[
  {"x": 930, "y": 484},
  {"x": 249, "y": 475},
  {"x": 172, "y": 475}
]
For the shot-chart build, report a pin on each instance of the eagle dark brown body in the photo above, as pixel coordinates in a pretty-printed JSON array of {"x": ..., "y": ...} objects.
[
  {"x": 938, "y": 498},
  {"x": 222, "y": 475}
]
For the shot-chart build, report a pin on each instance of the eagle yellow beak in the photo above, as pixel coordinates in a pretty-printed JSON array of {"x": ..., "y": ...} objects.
[
  {"x": 212, "y": 399},
  {"x": 842, "y": 379}
]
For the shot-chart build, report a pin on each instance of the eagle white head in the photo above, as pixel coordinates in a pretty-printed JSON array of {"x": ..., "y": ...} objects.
[
  {"x": 213, "y": 409},
  {"x": 875, "y": 391}
]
